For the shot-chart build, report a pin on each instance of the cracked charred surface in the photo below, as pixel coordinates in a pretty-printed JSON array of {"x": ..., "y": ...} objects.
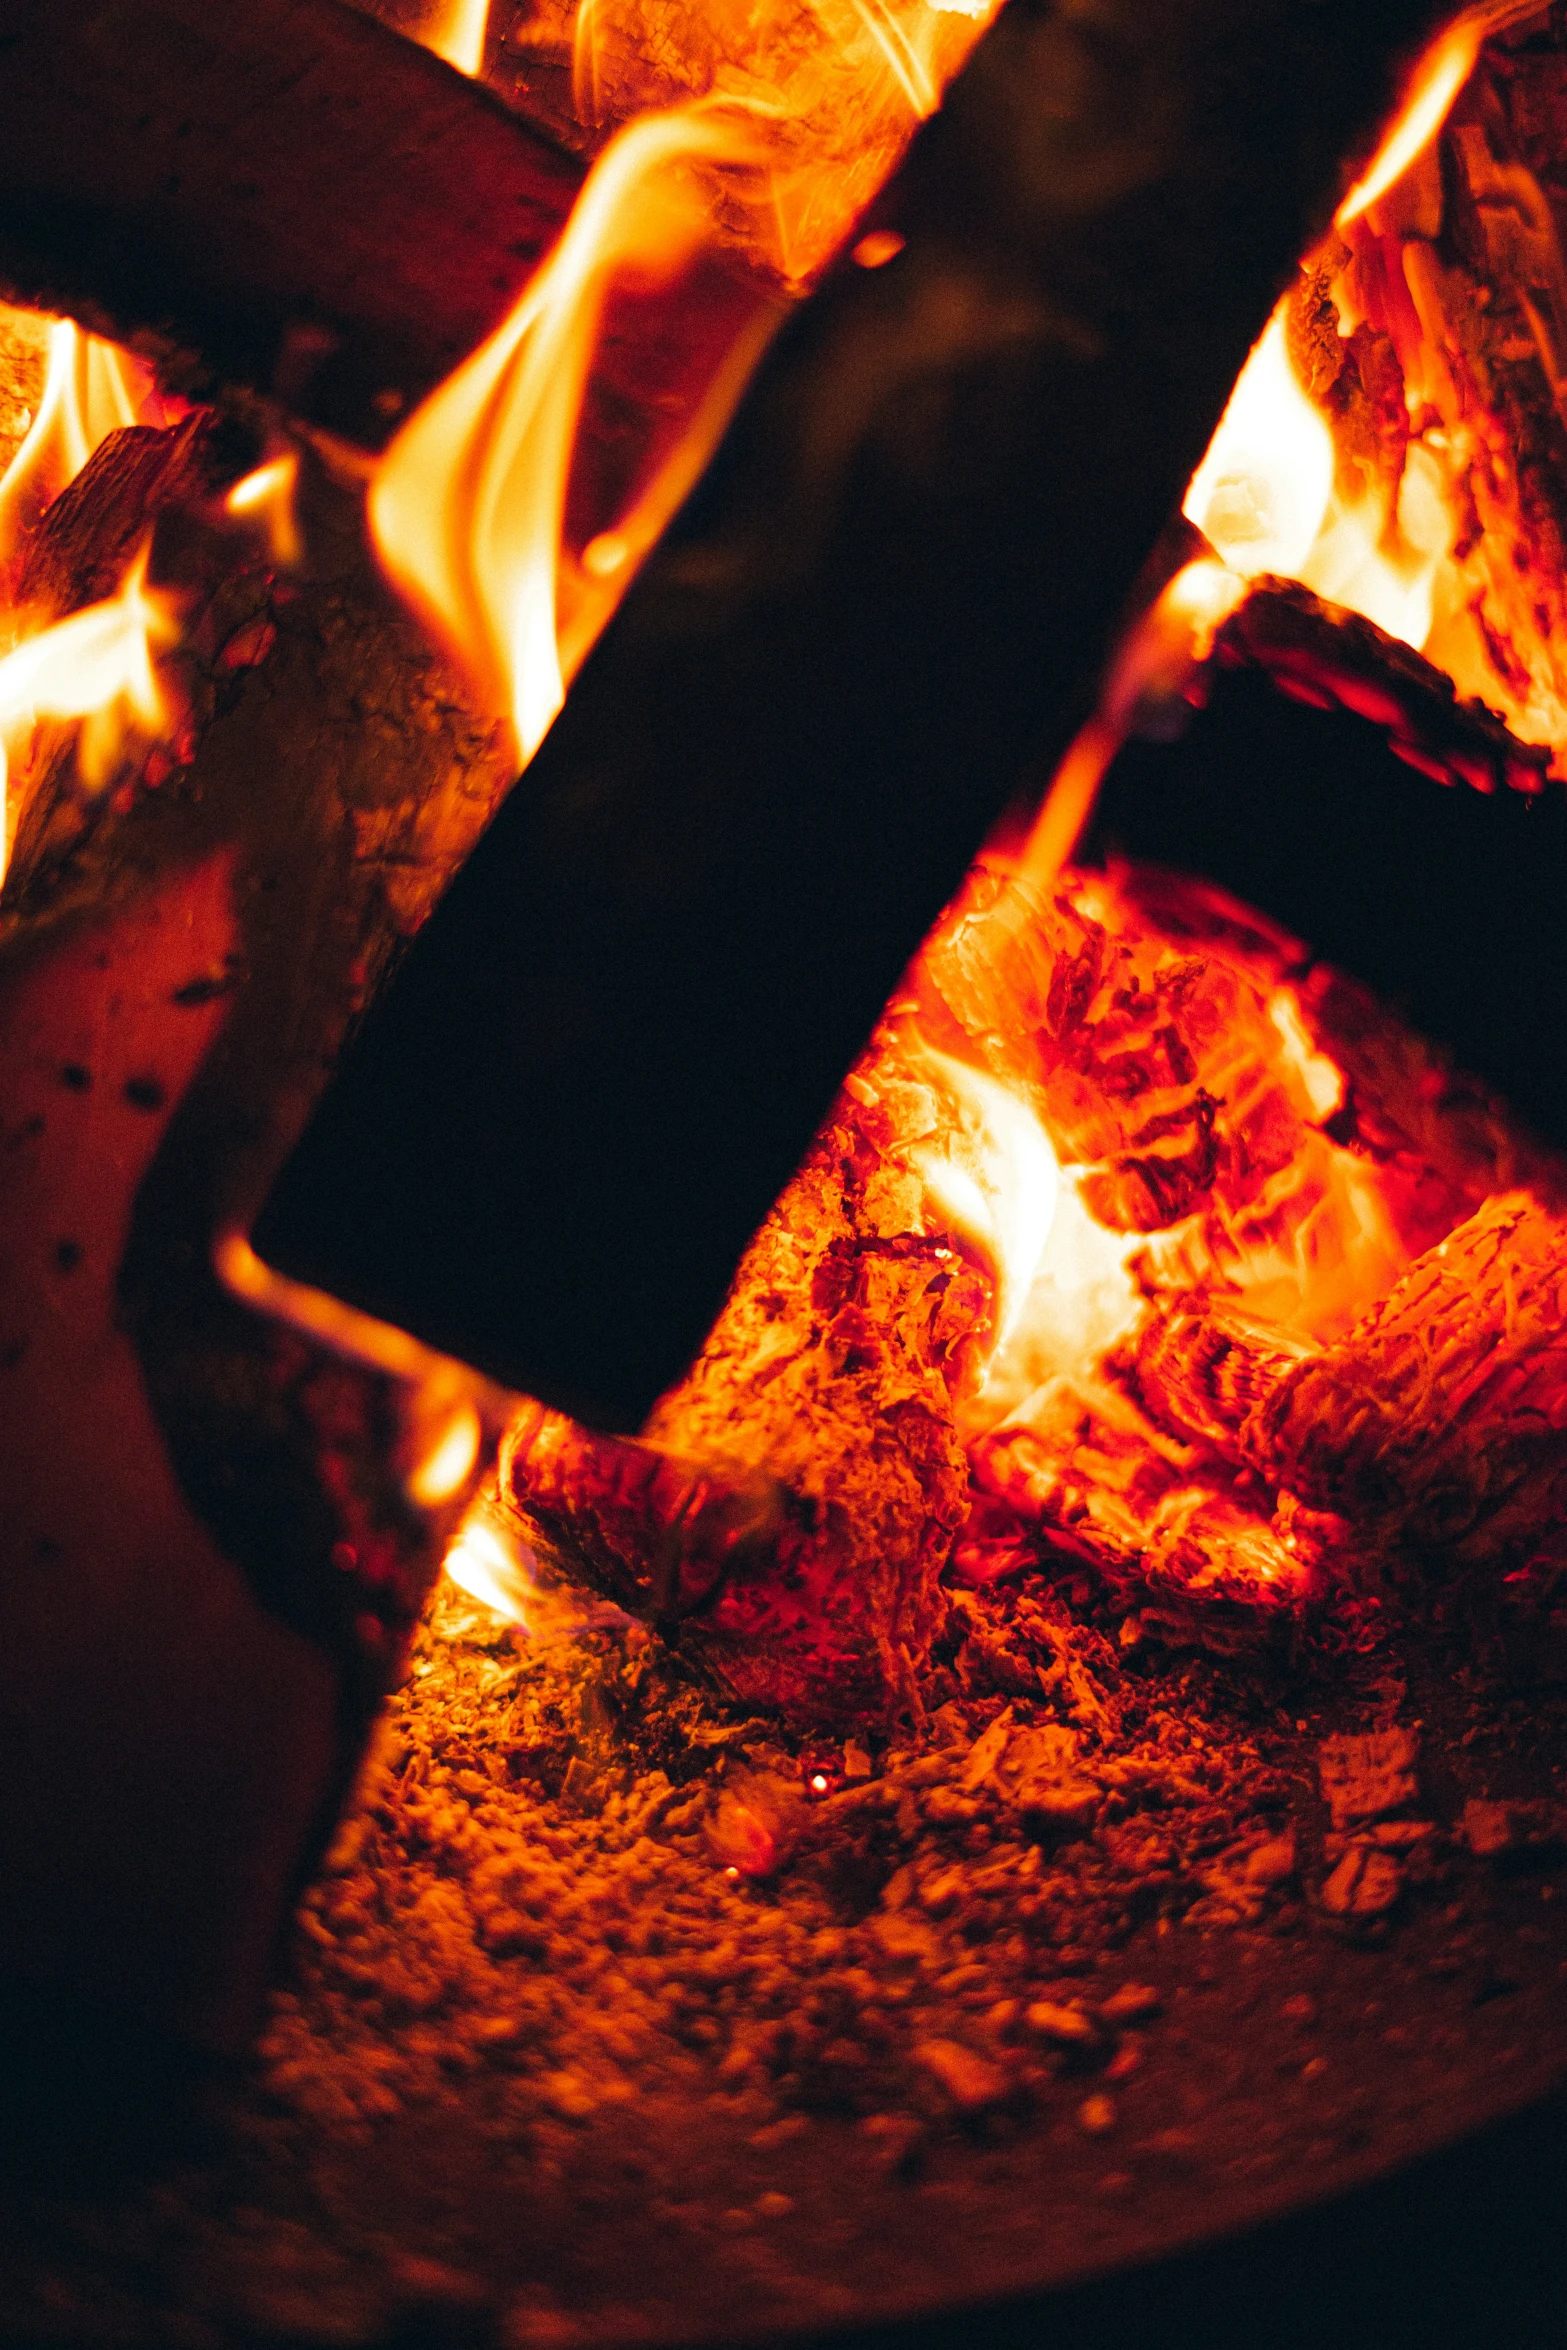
[
  {"x": 822, "y": 1411},
  {"x": 1249, "y": 1144}
]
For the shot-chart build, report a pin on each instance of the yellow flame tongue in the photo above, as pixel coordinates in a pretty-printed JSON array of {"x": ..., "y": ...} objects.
[
  {"x": 91, "y": 388},
  {"x": 458, "y": 34},
  {"x": 468, "y": 508},
  {"x": 1440, "y": 76},
  {"x": 95, "y": 666}
]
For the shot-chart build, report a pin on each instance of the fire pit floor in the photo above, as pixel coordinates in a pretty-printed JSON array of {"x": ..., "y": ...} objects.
[{"x": 545, "y": 2073}]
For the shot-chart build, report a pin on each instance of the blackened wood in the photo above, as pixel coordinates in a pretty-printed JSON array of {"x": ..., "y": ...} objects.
[
  {"x": 283, "y": 195},
  {"x": 1330, "y": 658},
  {"x": 887, "y": 602},
  {"x": 1443, "y": 899}
]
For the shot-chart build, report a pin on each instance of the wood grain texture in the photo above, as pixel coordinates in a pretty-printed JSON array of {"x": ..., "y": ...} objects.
[{"x": 286, "y": 196}]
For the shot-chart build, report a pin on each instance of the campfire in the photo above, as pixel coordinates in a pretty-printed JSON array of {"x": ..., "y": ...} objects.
[{"x": 1165, "y": 1321}]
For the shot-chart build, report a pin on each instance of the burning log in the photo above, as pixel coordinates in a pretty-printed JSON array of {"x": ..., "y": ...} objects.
[
  {"x": 887, "y": 606},
  {"x": 1332, "y": 659},
  {"x": 1395, "y": 442},
  {"x": 182, "y": 943},
  {"x": 917, "y": 1369},
  {"x": 1447, "y": 303},
  {"x": 286, "y": 197},
  {"x": 790, "y": 1512},
  {"x": 1438, "y": 1423}
]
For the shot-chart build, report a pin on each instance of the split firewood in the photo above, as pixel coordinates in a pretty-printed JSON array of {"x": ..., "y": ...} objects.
[
  {"x": 1439, "y": 1422},
  {"x": 183, "y": 941},
  {"x": 284, "y": 196}
]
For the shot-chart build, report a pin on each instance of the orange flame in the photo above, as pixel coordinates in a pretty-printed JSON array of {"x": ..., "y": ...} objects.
[
  {"x": 266, "y": 496},
  {"x": 468, "y": 506},
  {"x": 907, "y": 67},
  {"x": 586, "y": 97},
  {"x": 993, "y": 1174},
  {"x": 1266, "y": 499},
  {"x": 95, "y": 666},
  {"x": 91, "y": 389},
  {"x": 490, "y": 1568},
  {"x": 444, "y": 1408},
  {"x": 449, "y": 1461},
  {"x": 1261, "y": 493},
  {"x": 1152, "y": 668},
  {"x": 1440, "y": 76},
  {"x": 459, "y": 36}
]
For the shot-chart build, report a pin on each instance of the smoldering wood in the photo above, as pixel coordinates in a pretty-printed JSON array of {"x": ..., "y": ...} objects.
[
  {"x": 787, "y": 1518},
  {"x": 1439, "y": 1422},
  {"x": 1329, "y": 658},
  {"x": 209, "y": 1547},
  {"x": 884, "y": 607},
  {"x": 802, "y": 1504},
  {"x": 1437, "y": 897},
  {"x": 285, "y": 197}
]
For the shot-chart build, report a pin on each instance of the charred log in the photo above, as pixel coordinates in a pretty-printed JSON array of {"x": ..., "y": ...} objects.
[
  {"x": 1330, "y": 659},
  {"x": 1436, "y": 896},
  {"x": 1439, "y": 1423},
  {"x": 889, "y": 602},
  {"x": 285, "y": 197}
]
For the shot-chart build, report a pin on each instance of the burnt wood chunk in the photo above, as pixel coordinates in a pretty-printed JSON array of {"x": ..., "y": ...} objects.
[
  {"x": 284, "y": 196},
  {"x": 1441, "y": 897},
  {"x": 1440, "y": 1420},
  {"x": 883, "y": 609}
]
